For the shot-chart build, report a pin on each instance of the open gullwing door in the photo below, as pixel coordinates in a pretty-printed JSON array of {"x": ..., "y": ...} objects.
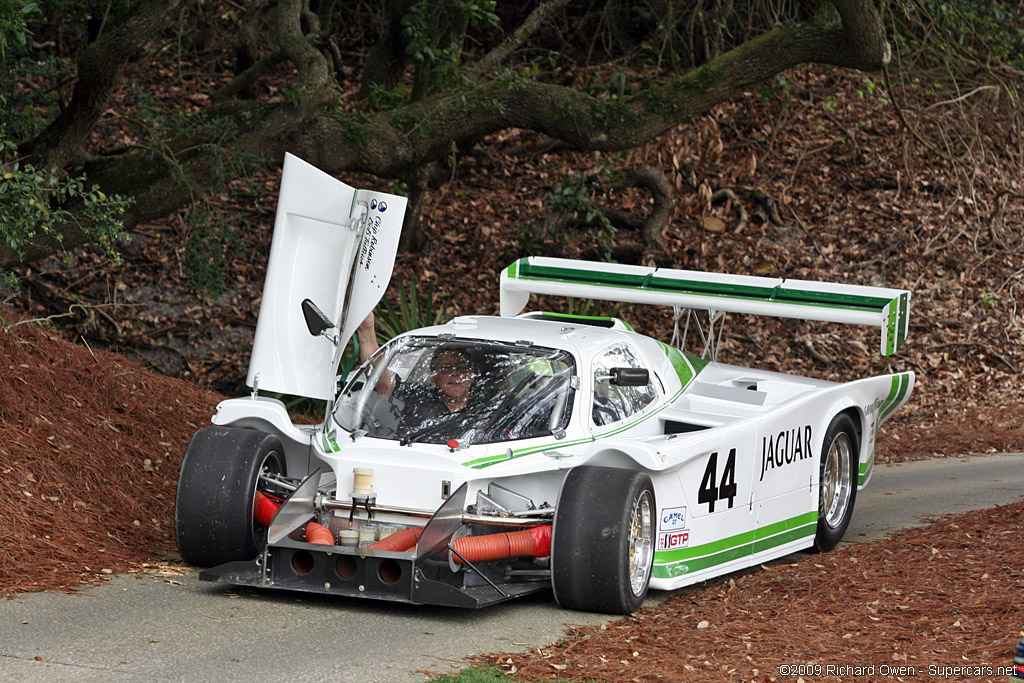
[{"x": 334, "y": 245}]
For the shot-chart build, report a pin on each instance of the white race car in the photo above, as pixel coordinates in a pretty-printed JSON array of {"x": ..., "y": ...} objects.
[{"x": 491, "y": 457}]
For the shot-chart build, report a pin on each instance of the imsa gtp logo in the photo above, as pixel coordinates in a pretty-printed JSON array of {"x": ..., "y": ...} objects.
[{"x": 673, "y": 540}]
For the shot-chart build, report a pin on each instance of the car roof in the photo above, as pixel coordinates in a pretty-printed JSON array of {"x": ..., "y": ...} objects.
[
  {"x": 578, "y": 336},
  {"x": 581, "y": 339}
]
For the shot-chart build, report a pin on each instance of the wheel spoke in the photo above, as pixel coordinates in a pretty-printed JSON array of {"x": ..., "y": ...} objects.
[
  {"x": 640, "y": 543},
  {"x": 837, "y": 481}
]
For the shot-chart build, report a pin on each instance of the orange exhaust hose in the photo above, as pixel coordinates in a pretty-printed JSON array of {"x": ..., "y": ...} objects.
[
  {"x": 318, "y": 533},
  {"x": 265, "y": 509},
  {"x": 532, "y": 542},
  {"x": 400, "y": 541}
]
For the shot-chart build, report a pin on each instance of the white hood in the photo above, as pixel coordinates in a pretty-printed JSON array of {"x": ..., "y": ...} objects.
[{"x": 336, "y": 246}]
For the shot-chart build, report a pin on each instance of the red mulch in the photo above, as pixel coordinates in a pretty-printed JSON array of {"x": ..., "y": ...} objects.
[
  {"x": 946, "y": 595},
  {"x": 90, "y": 446}
]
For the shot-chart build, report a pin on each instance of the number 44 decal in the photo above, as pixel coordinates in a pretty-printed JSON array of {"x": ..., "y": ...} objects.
[{"x": 710, "y": 491}]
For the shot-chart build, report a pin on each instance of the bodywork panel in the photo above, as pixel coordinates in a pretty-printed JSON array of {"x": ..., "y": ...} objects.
[
  {"x": 326, "y": 235},
  {"x": 734, "y": 454}
]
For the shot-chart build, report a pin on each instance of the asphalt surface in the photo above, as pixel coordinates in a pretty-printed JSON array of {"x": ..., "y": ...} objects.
[{"x": 174, "y": 628}]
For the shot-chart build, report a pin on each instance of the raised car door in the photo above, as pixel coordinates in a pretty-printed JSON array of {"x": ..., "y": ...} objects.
[{"x": 336, "y": 246}]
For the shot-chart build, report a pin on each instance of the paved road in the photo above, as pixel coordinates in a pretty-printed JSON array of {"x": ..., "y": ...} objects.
[{"x": 152, "y": 628}]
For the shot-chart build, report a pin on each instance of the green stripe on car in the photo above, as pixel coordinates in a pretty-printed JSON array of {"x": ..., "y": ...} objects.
[{"x": 672, "y": 563}]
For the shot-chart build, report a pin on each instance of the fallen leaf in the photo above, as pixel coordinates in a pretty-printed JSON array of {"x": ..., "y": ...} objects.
[{"x": 713, "y": 224}]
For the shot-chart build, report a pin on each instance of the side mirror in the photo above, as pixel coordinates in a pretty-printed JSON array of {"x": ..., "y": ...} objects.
[
  {"x": 630, "y": 377},
  {"x": 316, "y": 322}
]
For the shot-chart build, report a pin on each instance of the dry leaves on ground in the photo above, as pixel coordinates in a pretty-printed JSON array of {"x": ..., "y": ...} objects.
[{"x": 928, "y": 602}]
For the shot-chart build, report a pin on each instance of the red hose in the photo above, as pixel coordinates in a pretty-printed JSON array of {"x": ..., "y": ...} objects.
[
  {"x": 318, "y": 533},
  {"x": 532, "y": 542},
  {"x": 400, "y": 541},
  {"x": 265, "y": 509}
]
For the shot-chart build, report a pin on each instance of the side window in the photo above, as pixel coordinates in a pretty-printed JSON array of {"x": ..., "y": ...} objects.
[{"x": 611, "y": 402}]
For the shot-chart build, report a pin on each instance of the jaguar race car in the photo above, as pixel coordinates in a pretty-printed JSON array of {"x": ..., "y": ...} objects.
[{"x": 495, "y": 456}]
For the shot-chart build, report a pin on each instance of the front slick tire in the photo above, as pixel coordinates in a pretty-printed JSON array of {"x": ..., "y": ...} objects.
[
  {"x": 602, "y": 547},
  {"x": 837, "y": 482},
  {"x": 213, "y": 513}
]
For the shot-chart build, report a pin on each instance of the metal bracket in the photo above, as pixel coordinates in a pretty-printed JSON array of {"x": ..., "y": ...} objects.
[
  {"x": 478, "y": 572},
  {"x": 711, "y": 342}
]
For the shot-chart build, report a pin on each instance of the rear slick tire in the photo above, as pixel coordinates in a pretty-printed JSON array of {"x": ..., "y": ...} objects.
[
  {"x": 837, "y": 482},
  {"x": 602, "y": 548},
  {"x": 213, "y": 513}
]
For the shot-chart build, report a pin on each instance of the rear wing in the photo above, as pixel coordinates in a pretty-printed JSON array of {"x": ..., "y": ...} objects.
[{"x": 888, "y": 309}]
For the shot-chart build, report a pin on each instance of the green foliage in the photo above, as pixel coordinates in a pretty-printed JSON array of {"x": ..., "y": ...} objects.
[
  {"x": 303, "y": 407},
  {"x": 779, "y": 89},
  {"x": 356, "y": 132},
  {"x": 411, "y": 310},
  {"x": 571, "y": 201},
  {"x": 957, "y": 34},
  {"x": 489, "y": 674},
  {"x": 292, "y": 95},
  {"x": 209, "y": 241},
  {"x": 8, "y": 288},
  {"x": 540, "y": 238},
  {"x": 568, "y": 204},
  {"x": 592, "y": 308},
  {"x": 678, "y": 35},
  {"x": 706, "y": 77},
  {"x": 475, "y": 675},
  {"x": 430, "y": 41},
  {"x": 26, "y": 111},
  {"x": 386, "y": 99},
  {"x": 37, "y": 204},
  {"x": 399, "y": 187},
  {"x": 873, "y": 90},
  {"x": 178, "y": 138},
  {"x": 58, "y": 15},
  {"x": 14, "y": 31}
]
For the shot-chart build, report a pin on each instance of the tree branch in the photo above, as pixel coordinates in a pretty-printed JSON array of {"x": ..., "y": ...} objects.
[
  {"x": 390, "y": 143},
  {"x": 514, "y": 41},
  {"x": 99, "y": 70}
]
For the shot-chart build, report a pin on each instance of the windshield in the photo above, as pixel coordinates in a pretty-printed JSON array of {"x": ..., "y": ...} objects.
[{"x": 430, "y": 390}]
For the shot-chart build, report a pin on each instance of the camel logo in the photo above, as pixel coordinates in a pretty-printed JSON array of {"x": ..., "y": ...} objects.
[{"x": 673, "y": 518}]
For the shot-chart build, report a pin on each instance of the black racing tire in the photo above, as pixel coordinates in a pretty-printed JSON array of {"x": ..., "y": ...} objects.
[
  {"x": 838, "y": 470},
  {"x": 602, "y": 547},
  {"x": 213, "y": 512}
]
